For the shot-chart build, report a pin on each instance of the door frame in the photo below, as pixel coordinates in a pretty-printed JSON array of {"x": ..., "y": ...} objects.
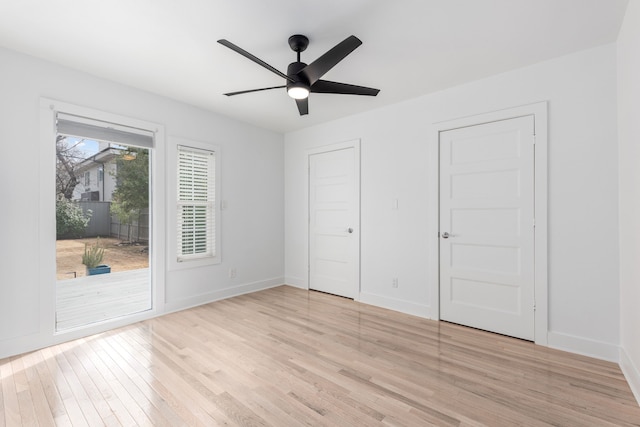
[
  {"x": 47, "y": 333},
  {"x": 539, "y": 113},
  {"x": 355, "y": 144}
]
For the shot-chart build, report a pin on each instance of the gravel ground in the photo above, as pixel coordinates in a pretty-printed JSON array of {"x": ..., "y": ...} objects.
[{"x": 119, "y": 255}]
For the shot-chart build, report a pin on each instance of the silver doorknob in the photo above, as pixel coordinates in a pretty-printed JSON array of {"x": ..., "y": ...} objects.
[
  {"x": 350, "y": 230},
  {"x": 445, "y": 235}
]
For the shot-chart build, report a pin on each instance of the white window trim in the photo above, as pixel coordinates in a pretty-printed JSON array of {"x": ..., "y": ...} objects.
[
  {"x": 190, "y": 199},
  {"x": 172, "y": 220}
]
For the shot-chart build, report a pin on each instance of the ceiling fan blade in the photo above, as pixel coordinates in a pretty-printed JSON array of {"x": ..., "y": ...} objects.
[
  {"x": 255, "y": 59},
  {"x": 253, "y": 90},
  {"x": 303, "y": 106},
  {"x": 326, "y": 86},
  {"x": 320, "y": 66}
]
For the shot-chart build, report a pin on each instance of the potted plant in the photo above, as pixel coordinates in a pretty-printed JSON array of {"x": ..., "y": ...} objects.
[{"x": 92, "y": 259}]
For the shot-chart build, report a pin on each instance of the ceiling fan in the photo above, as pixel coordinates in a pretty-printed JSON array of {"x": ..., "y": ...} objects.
[{"x": 302, "y": 78}]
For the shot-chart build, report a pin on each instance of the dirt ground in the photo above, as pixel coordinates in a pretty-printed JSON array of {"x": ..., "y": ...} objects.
[{"x": 117, "y": 254}]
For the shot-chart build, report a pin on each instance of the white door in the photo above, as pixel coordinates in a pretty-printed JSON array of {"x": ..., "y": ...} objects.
[
  {"x": 487, "y": 226},
  {"x": 334, "y": 249}
]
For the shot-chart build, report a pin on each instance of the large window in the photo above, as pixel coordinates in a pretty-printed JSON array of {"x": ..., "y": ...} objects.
[{"x": 196, "y": 196}]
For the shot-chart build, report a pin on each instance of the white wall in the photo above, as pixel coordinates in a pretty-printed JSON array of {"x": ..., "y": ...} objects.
[
  {"x": 584, "y": 297},
  {"x": 252, "y": 184},
  {"x": 109, "y": 180},
  {"x": 629, "y": 136},
  {"x": 583, "y": 186}
]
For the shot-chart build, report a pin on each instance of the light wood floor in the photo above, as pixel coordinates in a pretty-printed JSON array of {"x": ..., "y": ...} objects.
[{"x": 288, "y": 357}]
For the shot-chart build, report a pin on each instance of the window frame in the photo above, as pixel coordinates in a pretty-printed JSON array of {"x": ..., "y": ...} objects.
[
  {"x": 174, "y": 263},
  {"x": 197, "y": 197}
]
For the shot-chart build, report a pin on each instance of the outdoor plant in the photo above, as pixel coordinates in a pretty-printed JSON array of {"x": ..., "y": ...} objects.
[
  {"x": 93, "y": 254},
  {"x": 70, "y": 220}
]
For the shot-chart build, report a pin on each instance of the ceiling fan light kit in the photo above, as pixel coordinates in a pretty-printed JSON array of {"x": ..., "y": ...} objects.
[
  {"x": 301, "y": 79},
  {"x": 297, "y": 91}
]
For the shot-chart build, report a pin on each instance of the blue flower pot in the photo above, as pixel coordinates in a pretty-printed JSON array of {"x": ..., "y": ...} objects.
[{"x": 99, "y": 269}]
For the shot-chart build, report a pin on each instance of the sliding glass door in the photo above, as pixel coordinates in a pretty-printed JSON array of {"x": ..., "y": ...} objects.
[{"x": 103, "y": 221}]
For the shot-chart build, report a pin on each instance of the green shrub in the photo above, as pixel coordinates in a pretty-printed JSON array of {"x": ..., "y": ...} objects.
[
  {"x": 93, "y": 254},
  {"x": 70, "y": 220}
]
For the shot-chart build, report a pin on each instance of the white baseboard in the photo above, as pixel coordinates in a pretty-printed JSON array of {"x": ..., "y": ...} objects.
[
  {"x": 402, "y": 306},
  {"x": 296, "y": 282},
  {"x": 584, "y": 346},
  {"x": 631, "y": 373},
  {"x": 219, "y": 294},
  {"x": 24, "y": 344}
]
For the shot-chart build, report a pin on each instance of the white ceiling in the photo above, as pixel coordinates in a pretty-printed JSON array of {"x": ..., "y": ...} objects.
[{"x": 410, "y": 47}]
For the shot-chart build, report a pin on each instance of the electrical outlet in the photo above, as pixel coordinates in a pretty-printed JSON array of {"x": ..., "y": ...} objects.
[
  {"x": 394, "y": 282},
  {"x": 232, "y": 273}
]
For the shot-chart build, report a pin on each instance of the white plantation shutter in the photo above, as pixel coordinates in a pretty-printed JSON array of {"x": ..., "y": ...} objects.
[{"x": 196, "y": 203}]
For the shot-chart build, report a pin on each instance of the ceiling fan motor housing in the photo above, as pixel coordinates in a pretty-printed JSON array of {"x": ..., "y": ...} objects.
[{"x": 298, "y": 79}]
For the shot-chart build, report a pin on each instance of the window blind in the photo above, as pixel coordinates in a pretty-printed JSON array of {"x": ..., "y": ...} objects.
[
  {"x": 196, "y": 203},
  {"x": 83, "y": 127}
]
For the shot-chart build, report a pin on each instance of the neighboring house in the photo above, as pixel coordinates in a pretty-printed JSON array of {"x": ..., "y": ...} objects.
[
  {"x": 97, "y": 181},
  {"x": 96, "y": 175}
]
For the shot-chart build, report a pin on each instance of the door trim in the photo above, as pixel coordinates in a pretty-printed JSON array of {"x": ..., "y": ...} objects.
[
  {"x": 355, "y": 144},
  {"x": 47, "y": 334},
  {"x": 539, "y": 113}
]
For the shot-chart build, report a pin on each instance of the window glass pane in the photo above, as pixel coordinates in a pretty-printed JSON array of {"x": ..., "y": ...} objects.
[{"x": 103, "y": 225}]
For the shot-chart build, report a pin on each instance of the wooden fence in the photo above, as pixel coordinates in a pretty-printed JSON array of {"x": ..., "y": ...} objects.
[
  {"x": 102, "y": 223},
  {"x": 137, "y": 231}
]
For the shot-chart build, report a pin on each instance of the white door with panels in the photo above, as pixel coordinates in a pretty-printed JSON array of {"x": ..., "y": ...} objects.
[
  {"x": 487, "y": 226},
  {"x": 334, "y": 248}
]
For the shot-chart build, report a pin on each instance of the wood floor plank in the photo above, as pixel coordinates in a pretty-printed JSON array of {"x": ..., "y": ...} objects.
[
  {"x": 80, "y": 390},
  {"x": 43, "y": 415},
  {"x": 105, "y": 381},
  {"x": 162, "y": 412},
  {"x": 54, "y": 402},
  {"x": 289, "y": 357},
  {"x": 25, "y": 398},
  {"x": 190, "y": 395},
  {"x": 132, "y": 372},
  {"x": 93, "y": 383},
  {"x": 11, "y": 407},
  {"x": 158, "y": 380},
  {"x": 71, "y": 408},
  {"x": 120, "y": 382}
]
